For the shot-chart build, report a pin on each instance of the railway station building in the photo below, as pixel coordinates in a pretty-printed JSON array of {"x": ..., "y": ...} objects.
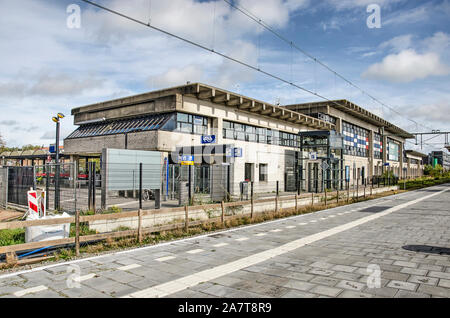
[{"x": 305, "y": 147}]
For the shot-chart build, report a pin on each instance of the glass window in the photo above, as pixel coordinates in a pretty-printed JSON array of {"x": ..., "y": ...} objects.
[{"x": 263, "y": 172}]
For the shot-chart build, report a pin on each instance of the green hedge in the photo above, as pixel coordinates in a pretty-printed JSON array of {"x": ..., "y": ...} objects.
[{"x": 423, "y": 182}]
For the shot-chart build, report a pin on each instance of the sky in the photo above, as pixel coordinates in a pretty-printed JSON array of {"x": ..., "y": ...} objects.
[{"x": 50, "y": 63}]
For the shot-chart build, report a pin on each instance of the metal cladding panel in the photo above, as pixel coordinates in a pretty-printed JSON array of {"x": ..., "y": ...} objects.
[
  {"x": 152, "y": 122},
  {"x": 123, "y": 169}
]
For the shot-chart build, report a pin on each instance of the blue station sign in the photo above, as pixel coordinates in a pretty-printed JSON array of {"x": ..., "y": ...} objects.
[{"x": 211, "y": 139}]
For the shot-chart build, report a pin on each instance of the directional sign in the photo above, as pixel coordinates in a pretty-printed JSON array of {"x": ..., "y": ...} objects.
[
  {"x": 324, "y": 165},
  {"x": 52, "y": 148},
  {"x": 237, "y": 152},
  {"x": 187, "y": 160}
]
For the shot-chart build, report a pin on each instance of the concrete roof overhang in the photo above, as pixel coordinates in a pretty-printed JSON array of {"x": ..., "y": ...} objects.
[
  {"x": 217, "y": 96},
  {"x": 246, "y": 104},
  {"x": 415, "y": 153},
  {"x": 359, "y": 112}
]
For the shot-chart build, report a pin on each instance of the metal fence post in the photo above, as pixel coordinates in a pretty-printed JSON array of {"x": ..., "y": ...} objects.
[
  {"x": 93, "y": 185},
  {"x": 186, "y": 216},
  {"x": 251, "y": 199},
  {"x": 47, "y": 181},
  {"x": 140, "y": 226},
  {"x": 77, "y": 233},
  {"x": 348, "y": 191},
  {"x": 89, "y": 185},
  {"x": 222, "y": 218},
  {"x": 276, "y": 198},
  {"x": 140, "y": 185}
]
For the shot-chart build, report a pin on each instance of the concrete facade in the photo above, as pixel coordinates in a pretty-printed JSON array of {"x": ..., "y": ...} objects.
[
  {"x": 344, "y": 111},
  {"x": 217, "y": 106}
]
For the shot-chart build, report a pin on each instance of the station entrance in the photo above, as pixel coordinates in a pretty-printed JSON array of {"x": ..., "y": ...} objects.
[{"x": 321, "y": 164}]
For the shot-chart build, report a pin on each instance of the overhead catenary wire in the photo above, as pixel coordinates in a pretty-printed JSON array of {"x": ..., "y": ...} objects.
[
  {"x": 228, "y": 57},
  {"x": 211, "y": 50},
  {"x": 250, "y": 15}
]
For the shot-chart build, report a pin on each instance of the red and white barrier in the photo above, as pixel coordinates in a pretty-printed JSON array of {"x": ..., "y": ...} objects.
[
  {"x": 33, "y": 205},
  {"x": 36, "y": 205},
  {"x": 42, "y": 205}
]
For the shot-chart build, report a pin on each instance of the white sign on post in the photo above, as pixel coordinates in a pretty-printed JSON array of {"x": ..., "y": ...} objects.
[
  {"x": 325, "y": 165},
  {"x": 313, "y": 156}
]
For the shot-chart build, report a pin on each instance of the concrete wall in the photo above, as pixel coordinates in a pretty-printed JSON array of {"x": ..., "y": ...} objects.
[{"x": 198, "y": 213}]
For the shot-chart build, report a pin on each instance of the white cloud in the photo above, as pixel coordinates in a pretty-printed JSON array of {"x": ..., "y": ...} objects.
[
  {"x": 178, "y": 76},
  {"x": 407, "y": 66},
  {"x": 439, "y": 42},
  {"x": 398, "y": 43},
  {"x": 438, "y": 111},
  {"x": 352, "y": 4}
]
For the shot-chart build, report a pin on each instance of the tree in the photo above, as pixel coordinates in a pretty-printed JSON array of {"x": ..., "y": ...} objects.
[{"x": 2, "y": 143}]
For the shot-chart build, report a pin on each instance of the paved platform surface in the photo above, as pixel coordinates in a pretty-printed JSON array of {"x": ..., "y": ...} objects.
[{"x": 331, "y": 253}]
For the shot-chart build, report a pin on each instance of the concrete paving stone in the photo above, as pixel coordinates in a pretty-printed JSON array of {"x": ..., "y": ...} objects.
[
  {"x": 326, "y": 291},
  {"x": 394, "y": 275},
  {"x": 434, "y": 291},
  {"x": 347, "y": 276},
  {"x": 300, "y": 268},
  {"x": 405, "y": 264},
  {"x": 217, "y": 290},
  {"x": 443, "y": 263},
  {"x": 5, "y": 290},
  {"x": 364, "y": 265},
  {"x": 402, "y": 285},
  {"x": 354, "y": 294},
  {"x": 414, "y": 271},
  {"x": 83, "y": 292},
  {"x": 299, "y": 285},
  {"x": 390, "y": 268},
  {"x": 298, "y": 294},
  {"x": 321, "y": 272},
  {"x": 110, "y": 287},
  {"x": 261, "y": 289},
  {"x": 323, "y": 280},
  {"x": 431, "y": 267},
  {"x": 439, "y": 274},
  {"x": 225, "y": 281},
  {"x": 384, "y": 292},
  {"x": 272, "y": 280},
  {"x": 423, "y": 280},
  {"x": 352, "y": 285},
  {"x": 144, "y": 283},
  {"x": 344, "y": 268},
  {"x": 438, "y": 257},
  {"x": 408, "y": 294},
  {"x": 444, "y": 283},
  {"x": 57, "y": 269},
  {"x": 122, "y": 276},
  {"x": 299, "y": 276},
  {"x": 256, "y": 269},
  {"x": 189, "y": 294}
]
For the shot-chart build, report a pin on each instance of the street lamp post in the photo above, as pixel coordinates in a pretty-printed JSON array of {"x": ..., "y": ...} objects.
[{"x": 56, "y": 119}]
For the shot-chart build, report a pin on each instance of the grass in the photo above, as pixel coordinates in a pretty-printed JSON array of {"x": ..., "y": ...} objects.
[{"x": 12, "y": 237}]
